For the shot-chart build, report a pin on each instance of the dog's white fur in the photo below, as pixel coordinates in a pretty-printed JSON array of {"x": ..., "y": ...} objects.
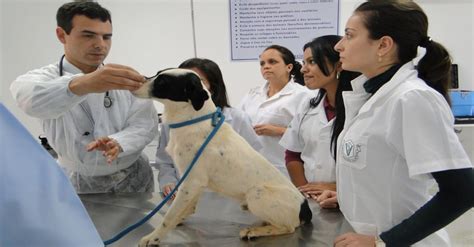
[{"x": 228, "y": 165}]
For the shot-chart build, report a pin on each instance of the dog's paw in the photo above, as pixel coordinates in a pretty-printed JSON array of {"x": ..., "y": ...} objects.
[
  {"x": 247, "y": 234},
  {"x": 149, "y": 240}
]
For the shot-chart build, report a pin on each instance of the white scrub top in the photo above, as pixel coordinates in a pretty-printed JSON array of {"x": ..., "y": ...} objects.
[
  {"x": 390, "y": 145},
  {"x": 70, "y": 122},
  {"x": 309, "y": 133},
  {"x": 239, "y": 121},
  {"x": 276, "y": 110}
]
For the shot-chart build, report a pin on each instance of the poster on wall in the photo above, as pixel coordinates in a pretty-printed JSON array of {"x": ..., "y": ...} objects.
[{"x": 256, "y": 24}]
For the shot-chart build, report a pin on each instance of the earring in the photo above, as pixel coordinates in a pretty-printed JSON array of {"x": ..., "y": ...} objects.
[
  {"x": 380, "y": 58},
  {"x": 338, "y": 74}
]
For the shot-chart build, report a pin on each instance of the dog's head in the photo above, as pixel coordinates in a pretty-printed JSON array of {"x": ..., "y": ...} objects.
[{"x": 175, "y": 85}]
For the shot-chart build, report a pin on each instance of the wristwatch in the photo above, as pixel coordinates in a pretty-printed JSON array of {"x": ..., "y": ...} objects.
[{"x": 379, "y": 242}]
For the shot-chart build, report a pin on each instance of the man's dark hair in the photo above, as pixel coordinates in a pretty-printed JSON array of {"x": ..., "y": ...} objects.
[{"x": 92, "y": 10}]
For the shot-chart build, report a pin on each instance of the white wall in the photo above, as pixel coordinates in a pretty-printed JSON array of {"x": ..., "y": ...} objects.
[
  {"x": 153, "y": 34},
  {"x": 28, "y": 41}
]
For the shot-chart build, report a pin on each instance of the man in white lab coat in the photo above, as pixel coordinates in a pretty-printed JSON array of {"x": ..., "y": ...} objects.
[{"x": 97, "y": 127}]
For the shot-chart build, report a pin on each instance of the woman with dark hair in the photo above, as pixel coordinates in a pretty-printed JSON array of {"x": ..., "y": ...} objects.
[
  {"x": 272, "y": 105},
  {"x": 398, "y": 135},
  {"x": 308, "y": 137},
  {"x": 211, "y": 77}
]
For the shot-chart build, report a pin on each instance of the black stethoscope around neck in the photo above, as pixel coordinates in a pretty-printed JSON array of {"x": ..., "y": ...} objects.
[{"x": 107, "y": 99}]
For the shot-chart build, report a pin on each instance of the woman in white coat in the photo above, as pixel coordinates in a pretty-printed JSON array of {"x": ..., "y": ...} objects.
[
  {"x": 272, "y": 106},
  {"x": 211, "y": 77},
  {"x": 398, "y": 135},
  {"x": 308, "y": 137}
]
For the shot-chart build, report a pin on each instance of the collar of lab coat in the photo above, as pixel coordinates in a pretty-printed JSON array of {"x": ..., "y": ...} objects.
[
  {"x": 70, "y": 68},
  {"x": 401, "y": 76},
  {"x": 289, "y": 88},
  {"x": 358, "y": 84},
  {"x": 320, "y": 111}
]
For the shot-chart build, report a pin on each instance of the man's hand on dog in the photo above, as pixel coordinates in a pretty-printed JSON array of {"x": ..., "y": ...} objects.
[
  {"x": 110, "y": 148},
  {"x": 269, "y": 130},
  {"x": 107, "y": 77}
]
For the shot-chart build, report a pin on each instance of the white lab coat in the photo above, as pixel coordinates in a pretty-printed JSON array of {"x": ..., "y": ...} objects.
[
  {"x": 309, "y": 133},
  {"x": 70, "y": 122},
  {"x": 239, "y": 121},
  {"x": 390, "y": 145},
  {"x": 276, "y": 110}
]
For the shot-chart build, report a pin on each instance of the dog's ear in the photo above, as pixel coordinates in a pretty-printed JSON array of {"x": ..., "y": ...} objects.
[{"x": 195, "y": 91}]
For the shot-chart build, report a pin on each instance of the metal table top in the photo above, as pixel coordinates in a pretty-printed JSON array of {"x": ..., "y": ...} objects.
[{"x": 217, "y": 222}]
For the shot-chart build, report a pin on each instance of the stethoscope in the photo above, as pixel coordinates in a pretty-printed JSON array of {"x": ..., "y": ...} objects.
[{"x": 107, "y": 99}]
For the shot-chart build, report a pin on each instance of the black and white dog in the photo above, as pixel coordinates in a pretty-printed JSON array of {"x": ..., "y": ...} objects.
[{"x": 228, "y": 165}]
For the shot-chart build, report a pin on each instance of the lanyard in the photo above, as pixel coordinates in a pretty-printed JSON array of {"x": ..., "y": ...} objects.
[{"x": 107, "y": 99}]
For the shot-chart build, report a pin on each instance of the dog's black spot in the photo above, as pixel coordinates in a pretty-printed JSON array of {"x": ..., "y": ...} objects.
[
  {"x": 156, "y": 239},
  {"x": 179, "y": 154},
  {"x": 180, "y": 86},
  {"x": 164, "y": 224},
  {"x": 221, "y": 153}
]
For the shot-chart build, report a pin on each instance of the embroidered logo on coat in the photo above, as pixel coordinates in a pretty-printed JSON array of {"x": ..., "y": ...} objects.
[{"x": 351, "y": 151}]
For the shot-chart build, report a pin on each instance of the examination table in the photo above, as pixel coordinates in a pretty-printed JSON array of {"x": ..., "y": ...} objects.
[{"x": 217, "y": 222}]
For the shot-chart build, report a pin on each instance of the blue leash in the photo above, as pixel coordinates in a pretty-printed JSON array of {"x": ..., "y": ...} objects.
[{"x": 217, "y": 120}]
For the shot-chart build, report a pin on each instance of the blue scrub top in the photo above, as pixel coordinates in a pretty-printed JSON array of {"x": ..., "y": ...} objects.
[{"x": 38, "y": 205}]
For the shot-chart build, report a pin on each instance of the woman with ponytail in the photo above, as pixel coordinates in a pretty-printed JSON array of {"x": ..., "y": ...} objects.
[
  {"x": 398, "y": 135},
  {"x": 272, "y": 105}
]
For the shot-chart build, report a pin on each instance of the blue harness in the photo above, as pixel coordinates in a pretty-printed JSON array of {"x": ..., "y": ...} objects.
[{"x": 217, "y": 119}]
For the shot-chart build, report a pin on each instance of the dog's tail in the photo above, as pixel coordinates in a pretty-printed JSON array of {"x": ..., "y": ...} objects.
[{"x": 305, "y": 213}]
